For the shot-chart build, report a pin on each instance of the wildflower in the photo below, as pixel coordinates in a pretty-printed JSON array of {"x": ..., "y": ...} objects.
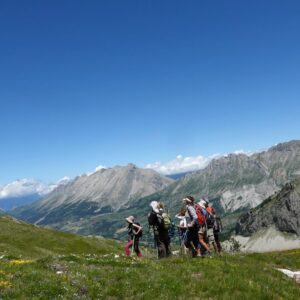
[
  {"x": 20, "y": 262},
  {"x": 4, "y": 284}
]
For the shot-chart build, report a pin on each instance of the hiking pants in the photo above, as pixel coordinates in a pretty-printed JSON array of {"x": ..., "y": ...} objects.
[
  {"x": 217, "y": 240},
  {"x": 163, "y": 244},
  {"x": 192, "y": 240},
  {"x": 135, "y": 244}
]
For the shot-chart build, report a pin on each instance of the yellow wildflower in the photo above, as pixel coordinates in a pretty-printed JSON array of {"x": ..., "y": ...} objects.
[
  {"x": 20, "y": 262},
  {"x": 4, "y": 284}
]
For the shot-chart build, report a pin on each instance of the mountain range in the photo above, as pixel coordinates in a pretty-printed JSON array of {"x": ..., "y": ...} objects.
[
  {"x": 98, "y": 204},
  {"x": 102, "y": 192}
]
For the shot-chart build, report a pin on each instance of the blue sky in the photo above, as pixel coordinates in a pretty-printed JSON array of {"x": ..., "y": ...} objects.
[{"x": 87, "y": 83}]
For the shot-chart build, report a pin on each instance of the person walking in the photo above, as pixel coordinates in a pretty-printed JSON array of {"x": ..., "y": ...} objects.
[
  {"x": 160, "y": 221},
  {"x": 134, "y": 234},
  {"x": 203, "y": 230},
  {"x": 214, "y": 229},
  {"x": 182, "y": 229},
  {"x": 191, "y": 241}
]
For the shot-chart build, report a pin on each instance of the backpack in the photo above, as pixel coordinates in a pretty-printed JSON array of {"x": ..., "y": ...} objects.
[
  {"x": 210, "y": 220},
  {"x": 151, "y": 218},
  {"x": 200, "y": 215},
  {"x": 140, "y": 234},
  {"x": 166, "y": 221}
]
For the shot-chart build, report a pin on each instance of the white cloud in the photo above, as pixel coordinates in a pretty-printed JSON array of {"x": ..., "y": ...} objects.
[
  {"x": 100, "y": 167},
  {"x": 63, "y": 180},
  {"x": 25, "y": 187},
  {"x": 22, "y": 187},
  {"x": 241, "y": 151},
  {"x": 182, "y": 164},
  {"x": 190, "y": 163}
]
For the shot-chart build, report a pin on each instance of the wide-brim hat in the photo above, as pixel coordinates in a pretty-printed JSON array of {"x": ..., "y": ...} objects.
[
  {"x": 202, "y": 203},
  {"x": 130, "y": 219},
  {"x": 153, "y": 204}
]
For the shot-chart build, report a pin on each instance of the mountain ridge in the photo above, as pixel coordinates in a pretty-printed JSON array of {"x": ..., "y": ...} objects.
[
  {"x": 233, "y": 183},
  {"x": 104, "y": 191}
]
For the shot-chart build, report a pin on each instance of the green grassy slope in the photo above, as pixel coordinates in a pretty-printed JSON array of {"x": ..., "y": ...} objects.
[
  {"x": 106, "y": 277},
  {"x": 37, "y": 263},
  {"x": 18, "y": 238}
]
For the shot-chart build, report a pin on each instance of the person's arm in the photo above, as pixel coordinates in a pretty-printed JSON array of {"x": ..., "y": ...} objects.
[
  {"x": 193, "y": 215},
  {"x": 183, "y": 226},
  {"x": 136, "y": 228},
  {"x": 185, "y": 222}
]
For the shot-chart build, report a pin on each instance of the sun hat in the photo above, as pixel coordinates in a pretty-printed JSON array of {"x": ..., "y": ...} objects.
[
  {"x": 153, "y": 204},
  {"x": 202, "y": 203},
  {"x": 130, "y": 219}
]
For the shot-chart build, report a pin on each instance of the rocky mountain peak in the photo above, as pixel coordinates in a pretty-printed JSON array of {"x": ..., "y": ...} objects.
[
  {"x": 102, "y": 192},
  {"x": 289, "y": 146},
  {"x": 131, "y": 166}
]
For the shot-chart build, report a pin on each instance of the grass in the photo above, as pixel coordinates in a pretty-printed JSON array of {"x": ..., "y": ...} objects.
[
  {"x": 75, "y": 267},
  {"x": 19, "y": 239},
  {"x": 106, "y": 277}
]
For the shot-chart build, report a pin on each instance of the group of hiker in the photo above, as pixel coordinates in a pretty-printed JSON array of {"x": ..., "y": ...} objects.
[{"x": 198, "y": 228}]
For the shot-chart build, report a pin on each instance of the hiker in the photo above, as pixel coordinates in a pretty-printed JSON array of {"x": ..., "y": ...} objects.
[
  {"x": 160, "y": 221},
  {"x": 182, "y": 228},
  {"x": 134, "y": 234},
  {"x": 202, "y": 233},
  {"x": 216, "y": 229},
  {"x": 191, "y": 241}
]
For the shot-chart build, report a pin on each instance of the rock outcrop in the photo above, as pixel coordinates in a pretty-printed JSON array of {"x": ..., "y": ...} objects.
[{"x": 282, "y": 211}]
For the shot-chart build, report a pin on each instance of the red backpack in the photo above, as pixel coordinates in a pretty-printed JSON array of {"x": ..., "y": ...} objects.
[{"x": 201, "y": 216}]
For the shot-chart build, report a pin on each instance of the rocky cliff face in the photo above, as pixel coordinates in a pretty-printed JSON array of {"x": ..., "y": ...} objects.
[
  {"x": 282, "y": 211},
  {"x": 104, "y": 191},
  {"x": 239, "y": 181}
]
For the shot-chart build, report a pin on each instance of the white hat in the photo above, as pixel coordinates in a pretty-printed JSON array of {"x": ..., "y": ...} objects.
[
  {"x": 202, "y": 203},
  {"x": 153, "y": 204},
  {"x": 130, "y": 219},
  {"x": 186, "y": 199}
]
